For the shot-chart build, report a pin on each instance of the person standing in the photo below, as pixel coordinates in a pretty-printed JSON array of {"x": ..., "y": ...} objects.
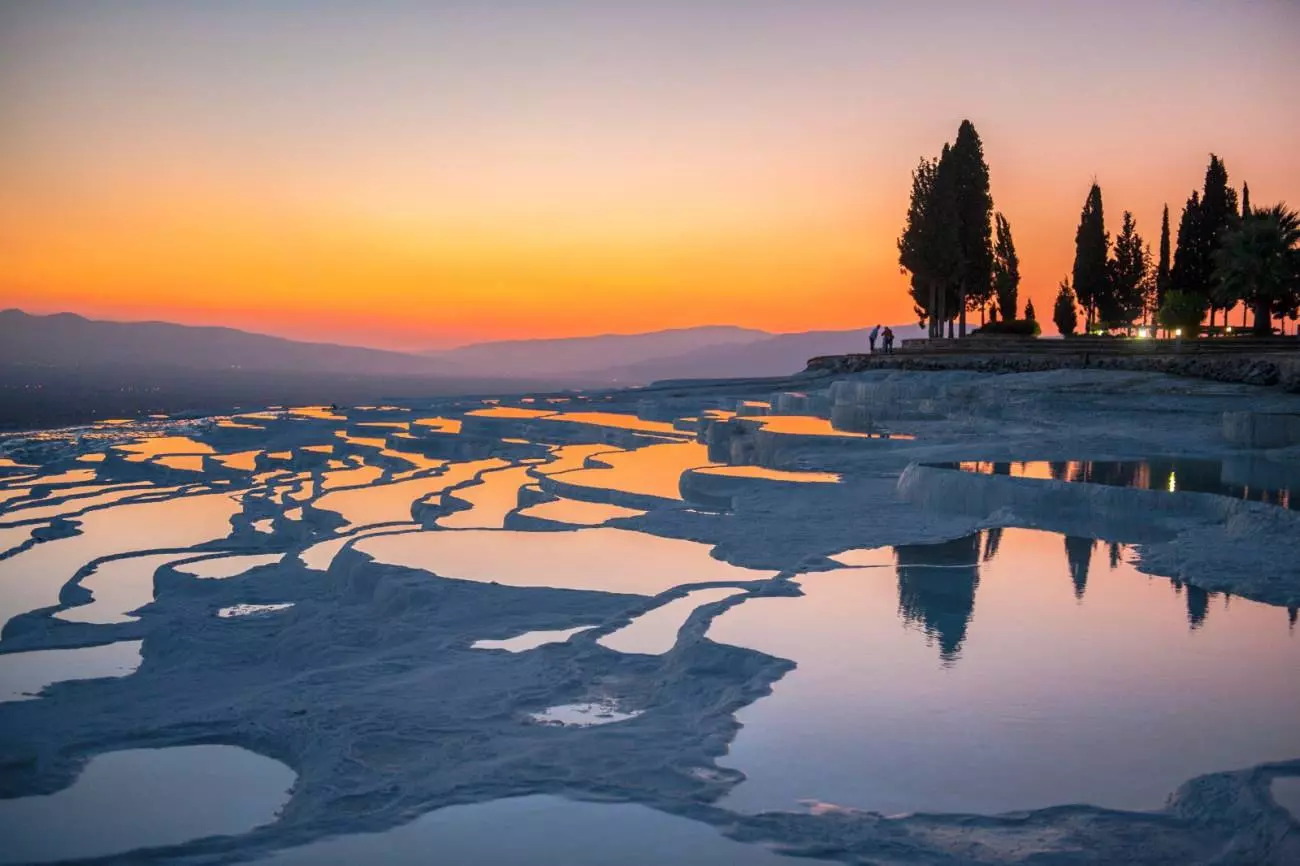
[
  {"x": 889, "y": 340},
  {"x": 871, "y": 338}
]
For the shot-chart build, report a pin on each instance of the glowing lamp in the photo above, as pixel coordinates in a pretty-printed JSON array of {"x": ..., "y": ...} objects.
[{"x": 1178, "y": 332}]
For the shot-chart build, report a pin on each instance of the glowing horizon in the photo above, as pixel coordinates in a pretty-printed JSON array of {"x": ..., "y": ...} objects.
[{"x": 422, "y": 174}]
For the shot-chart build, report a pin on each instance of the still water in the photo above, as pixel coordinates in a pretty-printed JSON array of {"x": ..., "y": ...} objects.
[
  {"x": 1253, "y": 480},
  {"x": 1007, "y": 670}
]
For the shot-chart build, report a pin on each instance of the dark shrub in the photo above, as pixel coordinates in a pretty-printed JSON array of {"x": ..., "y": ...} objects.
[{"x": 1013, "y": 328}]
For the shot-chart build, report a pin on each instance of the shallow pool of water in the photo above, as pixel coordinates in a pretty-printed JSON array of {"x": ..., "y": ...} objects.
[
  {"x": 23, "y": 675},
  {"x": 145, "y": 798},
  {"x": 602, "y": 559},
  {"x": 536, "y": 830},
  {"x": 1007, "y": 670},
  {"x": 1253, "y": 480}
]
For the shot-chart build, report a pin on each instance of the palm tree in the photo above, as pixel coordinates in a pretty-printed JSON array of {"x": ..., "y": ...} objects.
[{"x": 1259, "y": 262}]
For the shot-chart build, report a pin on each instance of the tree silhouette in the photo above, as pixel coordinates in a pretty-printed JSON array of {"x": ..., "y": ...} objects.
[
  {"x": 1162, "y": 269},
  {"x": 1130, "y": 275},
  {"x": 1063, "y": 312},
  {"x": 936, "y": 589},
  {"x": 974, "y": 206},
  {"x": 1078, "y": 554},
  {"x": 1091, "y": 248},
  {"x": 1260, "y": 263},
  {"x": 1006, "y": 269},
  {"x": 1198, "y": 606},
  {"x": 927, "y": 247}
]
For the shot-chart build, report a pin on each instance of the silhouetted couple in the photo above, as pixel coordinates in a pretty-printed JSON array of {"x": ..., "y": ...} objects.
[{"x": 887, "y": 336}]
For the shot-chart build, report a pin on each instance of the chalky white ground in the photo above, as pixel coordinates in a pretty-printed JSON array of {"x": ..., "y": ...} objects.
[{"x": 361, "y": 636}]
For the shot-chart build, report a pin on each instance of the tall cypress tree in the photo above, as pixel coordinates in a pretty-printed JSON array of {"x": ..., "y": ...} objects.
[
  {"x": 1091, "y": 247},
  {"x": 1245, "y": 200},
  {"x": 1006, "y": 269},
  {"x": 1130, "y": 271},
  {"x": 974, "y": 205},
  {"x": 1190, "y": 273},
  {"x": 1162, "y": 269},
  {"x": 1218, "y": 217},
  {"x": 927, "y": 245}
]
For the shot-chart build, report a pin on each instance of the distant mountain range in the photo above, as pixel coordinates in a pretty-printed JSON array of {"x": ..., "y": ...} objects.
[
  {"x": 68, "y": 341},
  {"x": 65, "y": 340}
]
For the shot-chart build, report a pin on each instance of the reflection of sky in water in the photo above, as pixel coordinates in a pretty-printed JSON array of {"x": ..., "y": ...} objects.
[
  {"x": 31, "y": 579},
  {"x": 604, "y": 559},
  {"x": 145, "y": 797},
  {"x": 615, "y": 420},
  {"x": 495, "y": 496},
  {"x": 806, "y": 425},
  {"x": 655, "y": 632},
  {"x": 507, "y": 412},
  {"x": 22, "y": 675},
  {"x": 577, "y": 513},
  {"x": 772, "y": 474},
  {"x": 1042, "y": 676},
  {"x": 227, "y": 566},
  {"x": 654, "y": 470},
  {"x": 536, "y": 831},
  {"x": 385, "y": 503},
  {"x": 158, "y": 445}
]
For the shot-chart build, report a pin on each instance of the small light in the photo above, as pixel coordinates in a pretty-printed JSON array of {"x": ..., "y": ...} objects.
[
  {"x": 1230, "y": 329},
  {"x": 1178, "y": 332},
  {"x": 1143, "y": 333}
]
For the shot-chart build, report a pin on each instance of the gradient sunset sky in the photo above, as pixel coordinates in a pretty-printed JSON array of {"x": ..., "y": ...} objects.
[{"x": 410, "y": 175}]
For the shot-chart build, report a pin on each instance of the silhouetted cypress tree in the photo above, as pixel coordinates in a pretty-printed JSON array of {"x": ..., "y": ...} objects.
[
  {"x": 1245, "y": 200},
  {"x": 1218, "y": 217},
  {"x": 1063, "y": 312},
  {"x": 927, "y": 247},
  {"x": 1162, "y": 269},
  {"x": 1190, "y": 274},
  {"x": 1006, "y": 269},
  {"x": 974, "y": 206},
  {"x": 1091, "y": 248},
  {"x": 1078, "y": 555},
  {"x": 1130, "y": 271}
]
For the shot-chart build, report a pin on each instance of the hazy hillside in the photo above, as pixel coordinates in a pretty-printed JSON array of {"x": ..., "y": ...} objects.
[
  {"x": 157, "y": 357},
  {"x": 584, "y": 355},
  {"x": 68, "y": 340},
  {"x": 776, "y": 355}
]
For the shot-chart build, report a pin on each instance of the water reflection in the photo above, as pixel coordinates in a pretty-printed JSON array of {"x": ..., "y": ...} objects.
[
  {"x": 1038, "y": 694},
  {"x": 145, "y": 797},
  {"x": 936, "y": 589},
  {"x": 1255, "y": 481}
]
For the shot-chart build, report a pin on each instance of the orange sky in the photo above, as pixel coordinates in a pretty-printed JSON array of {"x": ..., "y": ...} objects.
[{"x": 424, "y": 174}]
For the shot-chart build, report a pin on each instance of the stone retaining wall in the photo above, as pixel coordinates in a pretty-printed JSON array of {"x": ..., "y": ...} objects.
[{"x": 1276, "y": 369}]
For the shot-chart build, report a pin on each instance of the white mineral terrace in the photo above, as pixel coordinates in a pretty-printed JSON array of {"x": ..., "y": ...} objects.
[{"x": 889, "y": 617}]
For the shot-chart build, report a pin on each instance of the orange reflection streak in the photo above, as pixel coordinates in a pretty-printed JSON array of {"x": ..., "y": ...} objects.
[{"x": 653, "y": 471}]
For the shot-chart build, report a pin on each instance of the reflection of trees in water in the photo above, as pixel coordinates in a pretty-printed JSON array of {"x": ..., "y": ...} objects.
[
  {"x": 1078, "y": 553},
  {"x": 1113, "y": 550},
  {"x": 992, "y": 540},
  {"x": 1187, "y": 475},
  {"x": 1291, "y": 614},
  {"x": 936, "y": 589},
  {"x": 1198, "y": 605}
]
